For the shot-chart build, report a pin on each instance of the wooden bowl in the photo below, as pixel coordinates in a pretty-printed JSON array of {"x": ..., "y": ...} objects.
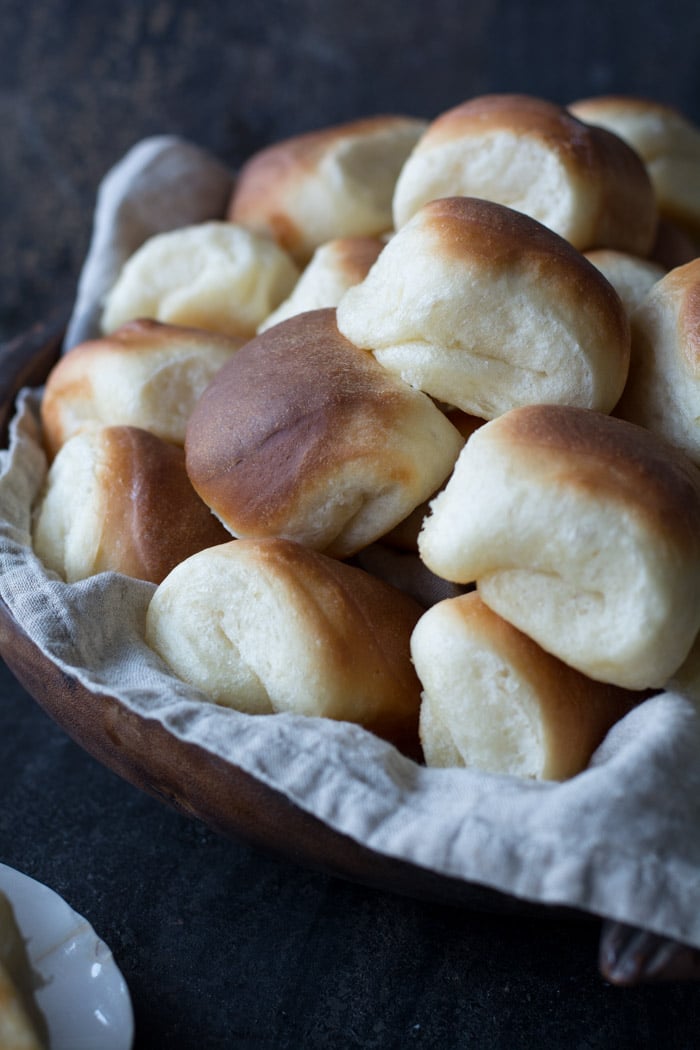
[{"x": 227, "y": 799}]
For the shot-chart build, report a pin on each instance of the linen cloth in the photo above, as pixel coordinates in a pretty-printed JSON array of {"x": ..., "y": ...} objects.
[{"x": 620, "y": 840}]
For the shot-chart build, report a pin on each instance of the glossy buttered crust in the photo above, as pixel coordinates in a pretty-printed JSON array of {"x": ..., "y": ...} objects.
[
  {"x": 583, "y": 531},
  {"x": 137, "y": 512},
  {"x": 303, "y": 435},
  {"x": 269, "y": 626},
  {"x": 335, "y": 182},
  {"x": 493, "y": 699},
  {"x": 480, "y": 306},
  {"x": 145, "y": 374},
  {"x": 583, "y": 182}
]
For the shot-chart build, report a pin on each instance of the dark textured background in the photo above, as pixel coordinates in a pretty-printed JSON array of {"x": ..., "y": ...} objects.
[
  {"x": 221, "y": 945},
  {"x": 81, "y": 82}
]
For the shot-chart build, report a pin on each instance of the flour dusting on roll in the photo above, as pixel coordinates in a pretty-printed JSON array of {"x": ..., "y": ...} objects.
[
  {"x": 494, "y": 700},
  {"x": 583, "y": 531},
  {"x": 482, "y": 308},
  {"x": 268, "y": 626},
  {"x": 303, "y": 435}
]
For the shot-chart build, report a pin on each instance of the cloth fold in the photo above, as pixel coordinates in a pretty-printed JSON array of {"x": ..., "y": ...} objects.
[{"x": 620, "y": 840}]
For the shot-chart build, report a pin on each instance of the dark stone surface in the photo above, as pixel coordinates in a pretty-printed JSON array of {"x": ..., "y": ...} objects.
[
  {"x": 221, "y": 945},
  {"x": 225, "y": 946}
]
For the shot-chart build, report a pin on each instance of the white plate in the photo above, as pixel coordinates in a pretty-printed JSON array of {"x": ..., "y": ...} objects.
[{"x": 83, "y": 996}]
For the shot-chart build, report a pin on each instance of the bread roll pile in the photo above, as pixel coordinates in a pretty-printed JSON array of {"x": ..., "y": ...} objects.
[{"x": 435, "y": 384}]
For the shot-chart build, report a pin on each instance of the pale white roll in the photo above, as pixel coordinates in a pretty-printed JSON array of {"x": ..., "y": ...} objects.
[
  {"x": 583, "y": 531},
  {"x": 494, "y": 700},
  {"x": 631, "y": 277},
  {"x": 583, "y": 182},
  {"x": 663, "y": 388},
  {"x": 213, "y": 275},
  {"x": 334, "y": 182},
  {"x": 118, "y": 499},
  {"x": 666, "y": 140},
  {"x": 483, "y": 308},
  {"x": 145, "y": 374},
  {"x": 334, "y": 267},
  {"x": 268, "y": 626}
]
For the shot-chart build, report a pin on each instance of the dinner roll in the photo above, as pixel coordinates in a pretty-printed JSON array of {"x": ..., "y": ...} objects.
[
  {"x": 583, "y": 531},
  {"x": 494, "y": 700},
  {"x": 145, "y": 374},
  {"x": 532, "y": 155},
  {"x": 335, "y": 267},
  {"x": 213, "y": 275},
  {"x": 335, "y": 182},
  {"x": 663, "y": 389},
  {"x": 482, "y": 307},
  {"x": 630, "y": 276},
  {"x": 667, "y": 142},
  {"x": 404, "y": 536},
  {"x": 305, "y": 436},
  {"x": 404, "y": 570},
  {"x": 267, "y": 626},
  {"x": 118, "y": 498}
]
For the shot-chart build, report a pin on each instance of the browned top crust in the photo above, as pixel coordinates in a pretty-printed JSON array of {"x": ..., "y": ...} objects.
[
  {"x": 118, "y": 499},
  {"x": 281, "y": 190},
  {"x": 519, "y": 113},
  {"x": 303, "y": 424},
  {"x": 610, "y": 459},
  {"x": 153, "y": 517}
]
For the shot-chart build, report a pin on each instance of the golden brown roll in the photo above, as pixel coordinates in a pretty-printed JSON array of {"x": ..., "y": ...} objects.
[
  {"x": 215, "y": 275},
  {"x": 494, "y": 700},
  {"x": 305, "y": 436},
  {"x": 145, "y": 374},
  {"x": 630, "y": 276},
  {"x": 22, "y": 1025},
  {"x": 663, "y": 389},
  {"x": 335, "y": 182},
  {"x": 118, "y": 498},
  {"x": 482, "y": 307},
  {"x": 267, "y": 626},
  {"x": 583, "y": 182},
  {"x": 667, "y": 142},
  {"x": 335, "y": 267},
  {"x": 583, "y": 531}
]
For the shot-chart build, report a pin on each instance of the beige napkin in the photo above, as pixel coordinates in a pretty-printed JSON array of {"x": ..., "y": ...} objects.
[{"x": 621, "y": 840}]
